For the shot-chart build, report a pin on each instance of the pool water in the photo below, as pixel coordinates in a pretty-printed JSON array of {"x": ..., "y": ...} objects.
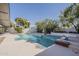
[{"x": 44, "y": 40}]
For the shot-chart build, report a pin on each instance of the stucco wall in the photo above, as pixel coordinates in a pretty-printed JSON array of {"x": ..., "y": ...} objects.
[{"x": 4, "y": 14}]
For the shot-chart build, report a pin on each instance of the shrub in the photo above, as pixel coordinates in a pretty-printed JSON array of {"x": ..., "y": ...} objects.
[
  {"x": 39, "y": 30},
  {"x": 22, "y": 22},
  {"x": 25, "y": 26},
  {"x": 46, "y": 26},
  {"x": 2, "y": 30},
  {"x": 18, "y": 29},
  {"x": 48, "y": 30},
  {"x": 77, "y": 28}
]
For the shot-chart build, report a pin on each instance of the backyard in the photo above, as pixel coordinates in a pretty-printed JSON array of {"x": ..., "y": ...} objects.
[{"x": 48, "y": 37}]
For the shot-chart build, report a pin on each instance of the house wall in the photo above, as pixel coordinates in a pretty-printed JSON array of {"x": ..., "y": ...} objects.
[{"x": 4, "y": 14}]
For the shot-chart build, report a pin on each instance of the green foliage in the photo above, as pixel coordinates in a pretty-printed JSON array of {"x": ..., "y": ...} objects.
[
  {"x": 18, "y": 29},
  {"x": 40, "y": 26},
  {"x": 76, "y": 11},
  {"x": 2, "y": 30},
  {"x": 70, "y": 15},
  {"x": 46, "y": 26},
  {"x": 22, "y": 22},
  {"x": 78, "y": 28}
]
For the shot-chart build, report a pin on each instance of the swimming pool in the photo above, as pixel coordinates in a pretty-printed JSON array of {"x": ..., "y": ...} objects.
[{"x": 44, "y": 40}]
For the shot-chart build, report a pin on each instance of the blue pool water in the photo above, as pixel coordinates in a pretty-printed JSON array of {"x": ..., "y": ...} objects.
[{"x": 44, "y": 40}]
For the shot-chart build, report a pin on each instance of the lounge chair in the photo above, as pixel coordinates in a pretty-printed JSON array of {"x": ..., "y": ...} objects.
[
  {"x": 63, "y": 43},
  {"x": 69, "y": 43}
]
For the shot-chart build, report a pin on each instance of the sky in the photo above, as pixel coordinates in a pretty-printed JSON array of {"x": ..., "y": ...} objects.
[{"x": 34, "y": 12}]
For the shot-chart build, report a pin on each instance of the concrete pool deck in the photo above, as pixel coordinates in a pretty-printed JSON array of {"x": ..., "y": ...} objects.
[
  {"x": 12, "y": 47},
  {"x": 57, "y": 50}
]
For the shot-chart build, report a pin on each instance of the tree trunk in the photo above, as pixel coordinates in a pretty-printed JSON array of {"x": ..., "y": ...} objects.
[{"x": 74, "y": 27}]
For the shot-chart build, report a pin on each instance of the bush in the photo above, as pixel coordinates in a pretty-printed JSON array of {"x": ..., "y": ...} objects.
[
  {"x": 22, "y": 22},
  {"x": 48, "y": 30},
  {"x": 18, "y": 29},
  {"x": 77, "y": 28},
  {"x": 47, "y": 26},
  {"x": 39, "y": 30},
  {"x": 2, "y": 30},
  {"x": 25, "y": 26}
]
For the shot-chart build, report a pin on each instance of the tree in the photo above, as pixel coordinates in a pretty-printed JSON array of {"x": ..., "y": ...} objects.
[
  {"x": 46, "y": 26},
  {"x": 18, "y": 29},
  {"x": 70, "y": 16},
  {"x": 40, "y": 26},
  {"x": 22, "y": 22}
]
